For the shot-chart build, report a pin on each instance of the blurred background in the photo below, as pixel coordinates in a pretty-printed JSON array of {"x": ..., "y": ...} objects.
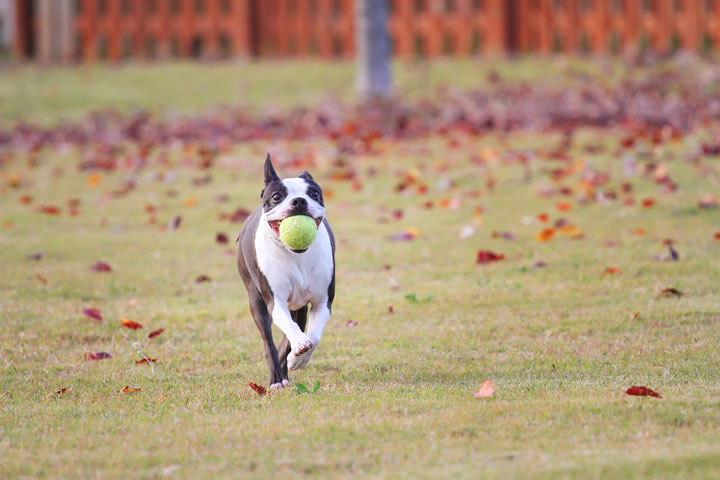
[{"x": 113, "y": 30}]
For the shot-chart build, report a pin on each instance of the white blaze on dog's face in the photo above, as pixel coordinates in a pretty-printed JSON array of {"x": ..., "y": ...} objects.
[{"x": 289, "y": 197}]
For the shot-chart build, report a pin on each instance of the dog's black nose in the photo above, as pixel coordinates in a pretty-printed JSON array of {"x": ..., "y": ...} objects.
[{"x": 298, "y": 202}]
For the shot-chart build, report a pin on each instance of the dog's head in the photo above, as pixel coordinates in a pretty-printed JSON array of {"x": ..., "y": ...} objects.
[{"x": 288, "y": 197}]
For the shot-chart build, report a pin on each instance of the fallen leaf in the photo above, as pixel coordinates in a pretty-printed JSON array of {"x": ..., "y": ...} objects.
[
  {"x": 642, "y": 392},
  {"x": 564, "y": 206},
  {"x": 100, "y": 267},
  {"x": 221, "y": 238},
  {"x": 129, "y": 389},
  {"x": 545, "y": 235},
  {"x": 97, "y": 356},
  {"x": 50, "y": 210},
  {"x": 639, "y": 231},
  {"x": 155, "y": 333},
  {"x": 635, "y": 316},
  {"x": 543, "y": 217},
  {"x": 648, "y": 202},
  {"x": 146, "y": 360},
  {"x": 93, "y": 313},
  {"x": 351, "y": 323},
  {"x": 717, "y": 236},
  {"x": 94, "y": 180},
  {"x": 671, "y": 292},
  {"x": 202, "y": 278},
  {"x": 130, "y": 324},
  {"x": 64, "y": 390},
  {"x": 41, "y": 279},
  {"x": 190, "y": 202},
  {"x": 36, "y": 256},
  {"x": 486, "y": 390},
  {"x": 391, "y": 309},
  {"x": 486, "y": 256},
  {"x": 260, "y": 390},
  {"x": 612, "y": 271}
]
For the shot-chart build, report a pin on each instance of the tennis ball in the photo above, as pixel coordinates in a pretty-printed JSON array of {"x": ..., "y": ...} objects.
[{"x": 298, "y": 232}]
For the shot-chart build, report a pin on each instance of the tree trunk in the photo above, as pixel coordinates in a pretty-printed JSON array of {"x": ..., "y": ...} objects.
[{"x": 372, "y": 69}]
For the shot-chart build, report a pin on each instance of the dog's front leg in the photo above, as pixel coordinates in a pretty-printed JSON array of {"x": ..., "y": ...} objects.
[
  {"x": 299, "y": 342},
  {"x": 319, "y": 316}
]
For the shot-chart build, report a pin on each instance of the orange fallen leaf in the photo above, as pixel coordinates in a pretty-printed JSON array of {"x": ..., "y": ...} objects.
[
  {"x": 635, "y": 317},
  {"x": 612, "y": 271},
  {"x": 130, "y": 324},
  {"x": 190, "y": 201},
  {"x": 545, "y": 235},
  {"x": 8, "y": 225},
  {"x": 129, "y": 389},
  {"x": 543, "y": 217},
  {"x": 64, "y": 390},
  {"x": 260, "y": 390},
  {"x": 26, "y": 199},
  {"x": 486, "y": 390},
  {"x": 642, "y": 392},
  {"x": 569, "y": 230},
  {"x": 639, "y": 231},
  {"x": 564, "y": 206},
  {"x": 41, "y": 279},
  {"x": 94, "y": 180}
]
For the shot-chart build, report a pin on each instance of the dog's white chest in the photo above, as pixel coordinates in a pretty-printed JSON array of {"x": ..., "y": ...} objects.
[{"x": 297, "y": 278}]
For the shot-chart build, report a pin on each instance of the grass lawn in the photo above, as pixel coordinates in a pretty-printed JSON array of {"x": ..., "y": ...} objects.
[{"x": 561, "y": 342}]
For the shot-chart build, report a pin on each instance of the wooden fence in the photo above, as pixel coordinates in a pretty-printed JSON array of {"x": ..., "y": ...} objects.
[{"x": 157, "y": 29}]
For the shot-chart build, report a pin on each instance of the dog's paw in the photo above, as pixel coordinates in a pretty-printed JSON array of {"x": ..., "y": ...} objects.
[
  {"x": 296, "y": 362},
  {"x": 276, "y": 386},
  {"x": 301, "y": 347}
]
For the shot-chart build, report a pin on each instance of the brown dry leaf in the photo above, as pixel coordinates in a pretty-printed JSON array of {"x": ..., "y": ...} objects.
[
  {"x": 671, "y": 292},
  {"x": 486, "y": 390},
  {"x": 260, "y": 390},
  {"x": 64, "y": 391}
]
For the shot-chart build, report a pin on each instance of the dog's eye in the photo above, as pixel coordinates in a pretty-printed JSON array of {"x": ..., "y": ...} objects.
[
  {"x": 277, "y": 196},
  {"x": 314, "y": 194}
]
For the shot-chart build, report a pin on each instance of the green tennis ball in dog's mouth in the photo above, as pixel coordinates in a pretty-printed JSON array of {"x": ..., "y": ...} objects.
[{"x": 298, "y": 232}]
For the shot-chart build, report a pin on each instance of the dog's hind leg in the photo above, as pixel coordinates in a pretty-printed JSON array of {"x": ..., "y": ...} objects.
[
  {"x": 299, "y": 317},
  {"x": 260, "y": 314}
]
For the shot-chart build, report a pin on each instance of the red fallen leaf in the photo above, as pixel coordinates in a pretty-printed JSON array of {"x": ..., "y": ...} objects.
[
  {"x": 642, "y": 392},
  {"x": 130, "y": 324},
  {"x": 543, "y": 217},
  {"x": 717, "y": 236},
  {"x": 486, "y": 256},
  {"x": 221, "y": 238},
  {"x": 486, "y": 390},
  {"x": 351, "y": 323},
  {"x": 155, "y": 333},
  {"x": 129, "y": 389},
  {"x": 612, "y": 271},
  {"x": 93, "y": 313},
  {"x": 50, "y": 210},
  {"x": 97, "y": 356},
  {"x": 398, "y": 215},
  {"x": 202, "y": 278},
  {"x": 391, "y": 309},
  {"x": 26, "y": 199},
  {"x": 648, "y": 202},
  {"x": 422, "y": 189},
  {"x": 671, "y": 292},
  {"x": 260, "y": 390},
  {"x": 146, "y": 360},
  {"x": 635, "y": 317},
  {"x": 100, "y": 267}
]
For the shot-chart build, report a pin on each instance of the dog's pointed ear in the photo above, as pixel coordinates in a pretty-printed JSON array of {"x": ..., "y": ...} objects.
[
  {"x": 306, "y": 175},
  {"x": 270, "y": 175}
]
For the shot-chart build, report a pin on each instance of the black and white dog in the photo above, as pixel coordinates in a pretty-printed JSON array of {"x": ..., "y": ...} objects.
[{"x": 280, "y": 282}]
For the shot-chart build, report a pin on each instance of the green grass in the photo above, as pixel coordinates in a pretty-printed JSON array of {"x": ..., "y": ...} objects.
[
  {"x": 50, "y": 95},
  {"x": 396, "y": 390}
]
